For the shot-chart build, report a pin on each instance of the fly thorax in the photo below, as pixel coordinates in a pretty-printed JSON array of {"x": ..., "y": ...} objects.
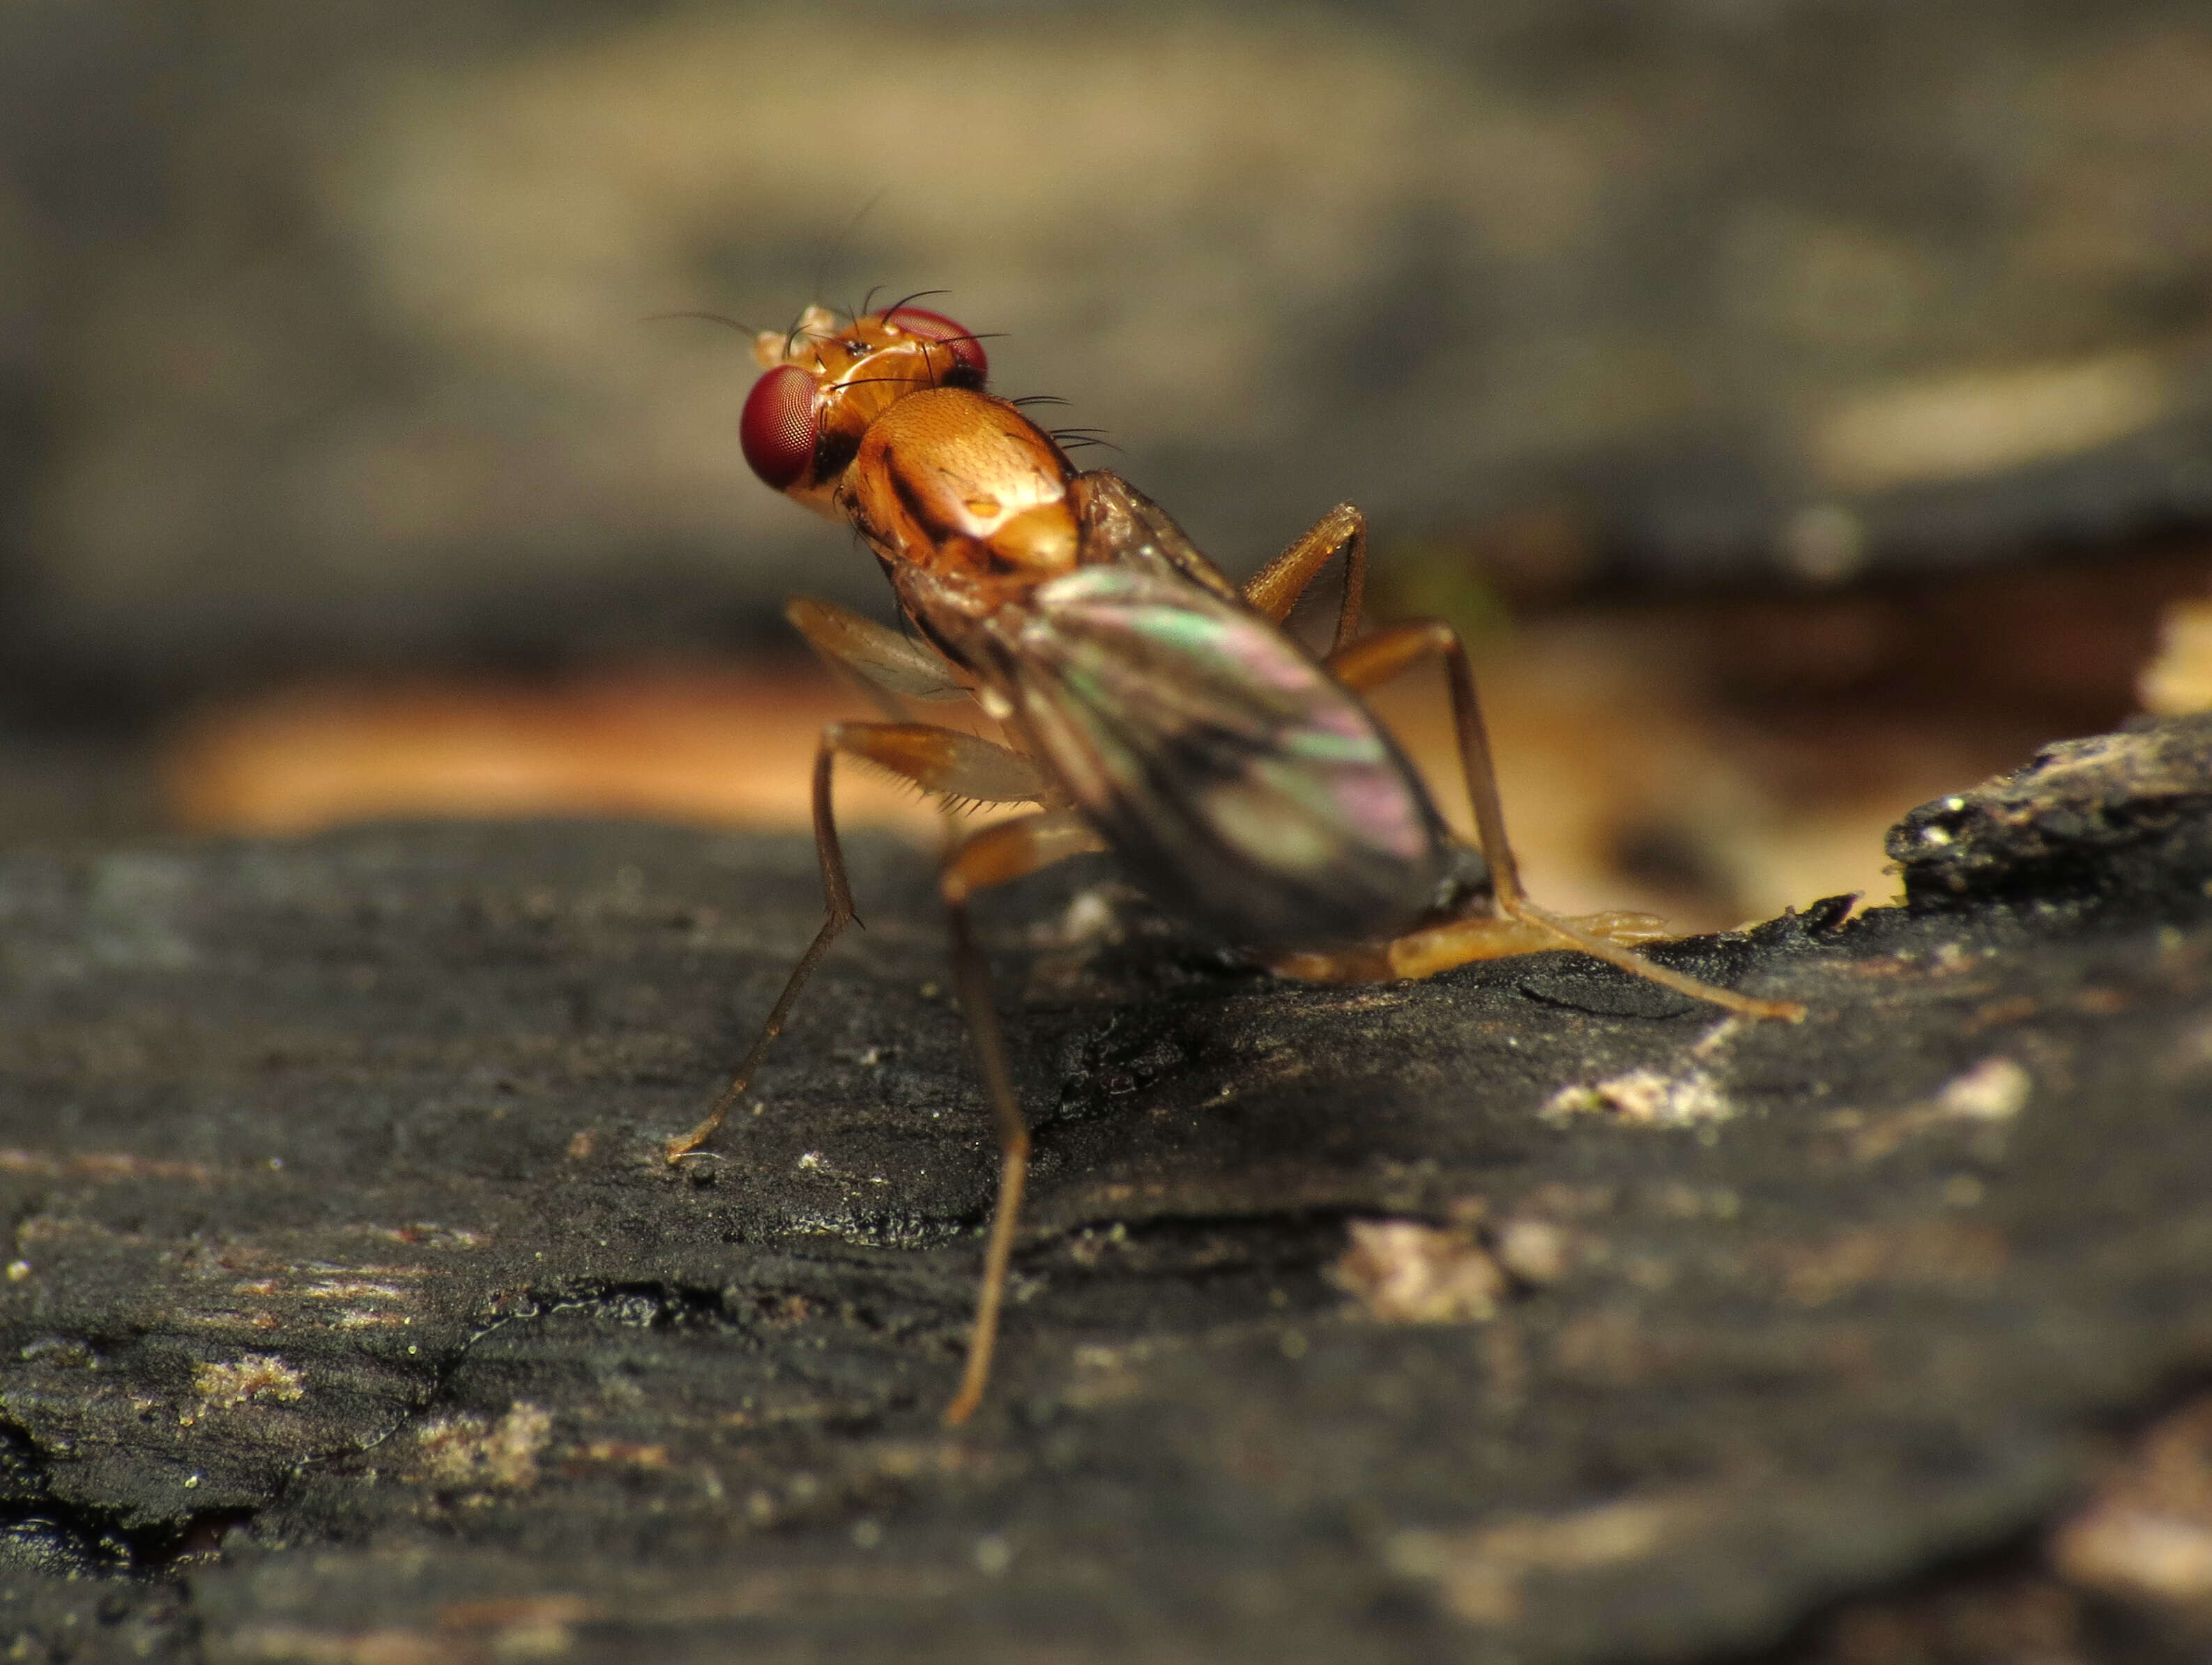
[{"x": 951, "y": 463}]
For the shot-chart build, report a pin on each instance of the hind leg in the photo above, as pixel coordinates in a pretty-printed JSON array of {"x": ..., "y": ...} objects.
[
  {"x": 1523, "y": 926},
  {"x": 1436, "y": 948}
]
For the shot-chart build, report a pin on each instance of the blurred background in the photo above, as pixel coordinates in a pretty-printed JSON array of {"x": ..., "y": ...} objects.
[{"x": 1805, "y": 405}]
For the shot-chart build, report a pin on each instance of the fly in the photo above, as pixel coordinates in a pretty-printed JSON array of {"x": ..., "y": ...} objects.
[{"x": 1149, "y": 707}]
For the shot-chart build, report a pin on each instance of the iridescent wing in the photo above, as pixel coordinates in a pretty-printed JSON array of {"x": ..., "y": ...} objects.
[{"x": 1239, "y": 781}]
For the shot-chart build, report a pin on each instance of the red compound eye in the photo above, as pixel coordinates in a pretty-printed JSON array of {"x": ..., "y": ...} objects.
[
  {"x": 777, "y": 430},
  {"x": 967, "y": 359}
]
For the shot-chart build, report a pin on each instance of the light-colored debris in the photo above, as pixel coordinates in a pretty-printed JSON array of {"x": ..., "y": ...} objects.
[
  {"x": 427, "y": 1233},
  {"x": 102, "y": 1166},
  {"x": 352, "y": 1289},
  {"x": 1971, "y": 423},
  {"x": 628, "y": 1452},
  {"x": 1934, "y": 1254},
  {"x": 2136, "y": 1551},
  {"x": 278, "y": 1643},
  {"x": 1403, "y": 1272},
  {"x": 1533, "y": 1250},
  {"x": 1478, "y": 1574},
  {"x": 1090, "y": 919},
  {"x": 2147, "y": 1532},
  {"x": 2179, "y": 678},
  {"x": 252, "y": 1376},
  {"x": 1721, "y": 1036},
  {"x": 1645, "y": 1098},
  {"x": 1995, "y": 1090},
  {"x": 499, "y": 1456},
  {"x": 1989, "y": 1096},
  {"x": 353, "y": 1317}
]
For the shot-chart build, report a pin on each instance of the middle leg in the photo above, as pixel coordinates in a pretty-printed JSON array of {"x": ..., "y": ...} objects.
[
  {"x": 997, "y": 856},
  {"x": 1275, "y": 588},
  {"x": 957, "y": 766}
]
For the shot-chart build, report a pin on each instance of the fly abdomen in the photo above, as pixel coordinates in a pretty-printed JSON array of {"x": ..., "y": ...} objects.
[{"x": 1240, "y": 782}]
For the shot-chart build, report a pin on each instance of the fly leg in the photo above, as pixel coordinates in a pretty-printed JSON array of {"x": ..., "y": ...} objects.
[
  {"x": 995, "y": 856},
  {"x": 890, "y": 666},
  {"x": 1384, "y": 655},
  {"x": 1275, "y": 588},
  {"x": 939, "y": 760}
]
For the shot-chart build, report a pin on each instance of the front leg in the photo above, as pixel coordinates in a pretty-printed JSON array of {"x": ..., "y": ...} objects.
[{"x": 890, "y": 666}]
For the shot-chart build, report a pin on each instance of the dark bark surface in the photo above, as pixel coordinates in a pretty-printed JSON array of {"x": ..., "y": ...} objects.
[{"x": 352, "y": 1315}]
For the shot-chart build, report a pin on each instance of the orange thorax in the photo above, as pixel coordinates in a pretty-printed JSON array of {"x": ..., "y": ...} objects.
[{"x": 965, "y": 488}]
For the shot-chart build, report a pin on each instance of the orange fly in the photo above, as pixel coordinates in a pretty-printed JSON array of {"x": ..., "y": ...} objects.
[{"x": 1149, "y": 707}]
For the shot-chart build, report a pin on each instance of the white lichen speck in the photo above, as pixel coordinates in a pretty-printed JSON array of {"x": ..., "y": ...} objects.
[
  {"x": 1646, "y": 1099},
  {"x": 1995, "y": 1090}
]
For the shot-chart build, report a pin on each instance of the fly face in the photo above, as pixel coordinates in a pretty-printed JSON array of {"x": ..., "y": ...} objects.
[
  {"x": 882, "y": 422},
  {"x": 827, "y": 382}
]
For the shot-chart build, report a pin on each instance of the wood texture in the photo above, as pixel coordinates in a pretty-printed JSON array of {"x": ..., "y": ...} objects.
[{"x": 351, "y": 1315}]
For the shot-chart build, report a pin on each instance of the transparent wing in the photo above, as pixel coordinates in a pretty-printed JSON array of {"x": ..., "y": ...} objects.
[{"x": 1237, "y": 779}]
